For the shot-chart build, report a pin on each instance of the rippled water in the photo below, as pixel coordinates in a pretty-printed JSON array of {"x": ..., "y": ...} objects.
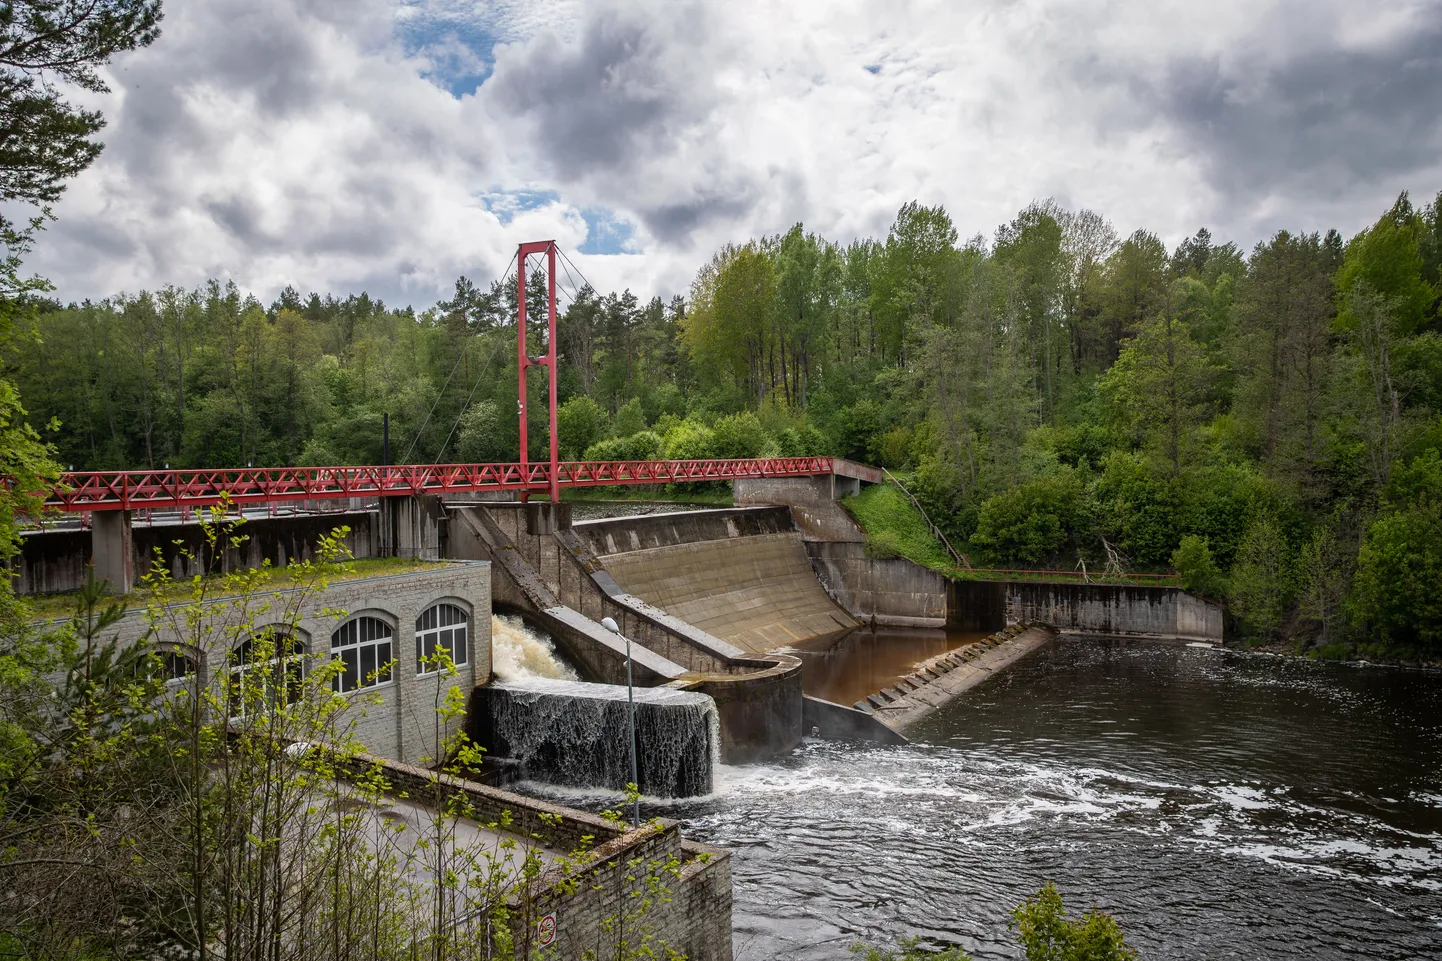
[{"x": 1221, "y": 806}]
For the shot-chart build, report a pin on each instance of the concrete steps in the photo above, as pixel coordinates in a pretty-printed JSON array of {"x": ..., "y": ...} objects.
[{"x": 936, "y": 669}]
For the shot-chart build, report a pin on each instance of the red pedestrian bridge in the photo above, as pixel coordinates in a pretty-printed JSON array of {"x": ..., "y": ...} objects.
[{"x": 170, "y": 489}]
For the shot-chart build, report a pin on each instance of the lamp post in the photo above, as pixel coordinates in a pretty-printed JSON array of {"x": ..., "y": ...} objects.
[{"x": 610, "y": 624}]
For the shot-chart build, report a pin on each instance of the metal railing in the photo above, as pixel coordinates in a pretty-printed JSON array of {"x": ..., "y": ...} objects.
[
  {"x": 1066, "y": 577},
  {"x": 179, "y": 489}
]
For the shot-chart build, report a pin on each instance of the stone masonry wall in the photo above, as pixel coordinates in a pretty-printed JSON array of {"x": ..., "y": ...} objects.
[
  {"x": 402, "y": 723},
  {"x": 588, "y": 897}
]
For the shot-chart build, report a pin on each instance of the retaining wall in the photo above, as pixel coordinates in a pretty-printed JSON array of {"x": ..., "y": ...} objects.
[
  {"x": 1121, "y": 610},
  {"x": 587, "y": 896}
]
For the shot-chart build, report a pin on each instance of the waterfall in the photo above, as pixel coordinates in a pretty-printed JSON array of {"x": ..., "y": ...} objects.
[
  {"x": 574, "y": 733},
  {"x": 521, "y": 653}
]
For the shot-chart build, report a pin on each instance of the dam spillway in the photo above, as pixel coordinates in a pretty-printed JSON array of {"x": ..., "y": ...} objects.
[{"x": 575, "y": 734}]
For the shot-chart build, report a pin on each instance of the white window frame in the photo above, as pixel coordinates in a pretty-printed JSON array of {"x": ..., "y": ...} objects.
[
  {"x": 361, "y": 638},
  {"x": 287, "y": 669},
  {"x": 429, "y": 634}
]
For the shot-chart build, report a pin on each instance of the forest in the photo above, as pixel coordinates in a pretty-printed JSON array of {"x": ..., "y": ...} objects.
[{"x": 1266, "y": 422}]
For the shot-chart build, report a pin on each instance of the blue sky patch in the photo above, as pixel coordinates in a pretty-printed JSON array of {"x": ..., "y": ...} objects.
[{"x": 605, "y": 232}]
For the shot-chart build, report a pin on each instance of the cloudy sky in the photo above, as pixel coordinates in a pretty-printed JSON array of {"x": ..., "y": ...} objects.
[{"x": 390, "y": 145}]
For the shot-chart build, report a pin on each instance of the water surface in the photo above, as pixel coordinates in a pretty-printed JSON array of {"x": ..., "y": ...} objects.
[{"x": 1222, "y": 806}]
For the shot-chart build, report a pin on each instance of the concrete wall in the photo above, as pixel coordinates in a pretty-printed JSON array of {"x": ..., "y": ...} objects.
[
  {"x": 624, "y": 535},
  {"x": 886, "y": 592},
  {"x": 1164, "y": 612},
  {"x": 569, "y": 603},
  {"x": 55, "y": 560},
  {"x": 402, "y": 722}
]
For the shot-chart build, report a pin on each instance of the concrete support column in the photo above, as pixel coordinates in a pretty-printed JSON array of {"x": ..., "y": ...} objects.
[
  {"x": 414, "y": 526},
  {"x": 544, "y": 518},
  {"x": 112, "y": 550}
]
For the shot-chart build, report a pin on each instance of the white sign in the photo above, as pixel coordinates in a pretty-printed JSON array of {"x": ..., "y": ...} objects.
[{"x": 546, "y": 930}]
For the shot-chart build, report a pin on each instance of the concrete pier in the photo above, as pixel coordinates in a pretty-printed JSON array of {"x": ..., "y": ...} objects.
[{"x": 113, "y": 549}]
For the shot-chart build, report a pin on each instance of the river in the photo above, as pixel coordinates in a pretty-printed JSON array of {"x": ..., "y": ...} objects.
[{"x": 1220, "y": 805}]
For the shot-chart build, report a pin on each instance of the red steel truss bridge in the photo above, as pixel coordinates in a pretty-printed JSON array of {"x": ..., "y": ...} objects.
[{"x": 162, "y": 489}]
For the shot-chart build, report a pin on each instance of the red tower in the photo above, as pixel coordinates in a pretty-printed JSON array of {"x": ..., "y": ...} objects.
[{"x": 547, "y": 360}]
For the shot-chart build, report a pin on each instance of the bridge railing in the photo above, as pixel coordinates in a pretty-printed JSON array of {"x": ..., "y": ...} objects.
[
  {"x": 1064, "y": 577},
  {"x": 126, "y": 490}
]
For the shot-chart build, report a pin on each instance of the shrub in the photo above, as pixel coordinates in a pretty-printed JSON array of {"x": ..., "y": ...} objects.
[
  {"x": 643, "y": 445},
  {"x": 1193, "y": 561},
  {"x": 689, "y": 440},
  {"x": 738, "y": 435},
  {"x": 630, "y": 419},
  {"x": 1260, "y": 582},
  {"x": 1030, "y": 522},
  {"x": 485, "y": 438},
  {"x": 580, "y": 422},
  {"x": 1047, "y": 934}
]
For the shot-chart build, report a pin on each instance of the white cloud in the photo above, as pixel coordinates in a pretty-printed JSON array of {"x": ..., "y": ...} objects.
[{"x": 312, "y": 143}]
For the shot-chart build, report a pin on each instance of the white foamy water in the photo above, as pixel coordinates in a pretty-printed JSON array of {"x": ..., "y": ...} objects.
[{"x": 522, "y": 653}]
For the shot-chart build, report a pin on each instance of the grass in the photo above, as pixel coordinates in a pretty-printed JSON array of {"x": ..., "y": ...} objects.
[
  {"x": 895, "y": 528},
  {"x": 50, "y": 606}
]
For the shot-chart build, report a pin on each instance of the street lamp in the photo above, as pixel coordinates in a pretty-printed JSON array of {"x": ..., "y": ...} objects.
[{"x": 609, "y": 624}]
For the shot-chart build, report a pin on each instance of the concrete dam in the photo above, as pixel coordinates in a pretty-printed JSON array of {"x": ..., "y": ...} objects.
[{"x": 723, "y": 610}]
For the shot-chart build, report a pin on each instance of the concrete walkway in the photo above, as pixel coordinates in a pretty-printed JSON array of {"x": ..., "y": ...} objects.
[{"x": 914, "y": 697}]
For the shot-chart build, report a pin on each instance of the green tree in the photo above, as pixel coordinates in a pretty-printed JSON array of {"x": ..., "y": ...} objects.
[
  {"x": 1161, "y": 381},
  {"x": 580, "y": 422},
  {"x": 1199, "y": 574},
  {"x": 1260, "y": 585},
  {"x": 44, "y": 140},
  {"x": 1030, "y": 522},
  {"x": 1399, "y": 570}
]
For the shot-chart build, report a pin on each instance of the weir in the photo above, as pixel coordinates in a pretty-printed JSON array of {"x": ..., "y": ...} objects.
[{"x": 576, "y": 734}]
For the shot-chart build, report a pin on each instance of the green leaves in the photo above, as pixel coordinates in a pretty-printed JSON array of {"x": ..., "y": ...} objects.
[{"x": 1047, "y": 934}]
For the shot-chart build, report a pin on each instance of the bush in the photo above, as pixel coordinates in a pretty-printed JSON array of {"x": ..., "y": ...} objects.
[
  {"x": 738, "y": 435},
  {"x": 689, "y": 440},
  {"x": 1030, "y": 522},
  {"x": 580, "y": 422},
  {"x": 644, "y": 445},
  {"x": 1193, "y": 561},
  {"x": 1047, "y": 934},
  {"x": 630, "y": 419},
  {"x": 485, "y": 437},
  {"x": 1259, "y": 588},
  {"x": 1139, "y": 511}
]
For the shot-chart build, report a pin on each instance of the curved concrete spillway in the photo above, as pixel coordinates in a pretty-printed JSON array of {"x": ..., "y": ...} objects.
[{"x": 756, "y": 592}]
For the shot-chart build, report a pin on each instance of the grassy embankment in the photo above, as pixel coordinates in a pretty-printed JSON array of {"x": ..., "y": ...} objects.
[
  {"x": 895, "y": 528},
  {"x": 50, "y": 606}
]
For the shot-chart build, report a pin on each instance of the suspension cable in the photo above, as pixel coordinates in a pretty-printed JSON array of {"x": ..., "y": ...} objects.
[{"x": 442, "y": 393}]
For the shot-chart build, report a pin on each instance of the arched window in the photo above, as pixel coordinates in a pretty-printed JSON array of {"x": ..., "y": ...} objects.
[
  {"x": 363, "y": 645},
  {"x": 174, "y": 666},
  {"x": 441, "y": 626},
  {"x": 266, "y": 681}
]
